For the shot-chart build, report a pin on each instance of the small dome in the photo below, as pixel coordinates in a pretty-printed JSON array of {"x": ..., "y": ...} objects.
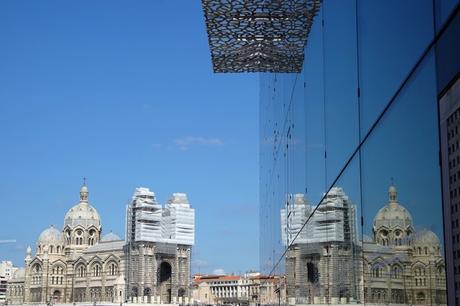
[
  {"x": 393, "y": 214},
  {"x": 425, "y": 237},
  {"x": 50, "y": 236},
  {"x": 83, "y": 213},
  {"x": 110, "y": 237}
]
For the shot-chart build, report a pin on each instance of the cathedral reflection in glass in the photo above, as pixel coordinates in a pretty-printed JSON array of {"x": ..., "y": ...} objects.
[{"x": 352, "y": 183}]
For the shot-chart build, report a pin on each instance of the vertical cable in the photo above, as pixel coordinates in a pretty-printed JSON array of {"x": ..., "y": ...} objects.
[
  {"x": 328, "y": 249},
  {"x": 360, "y": 178}
]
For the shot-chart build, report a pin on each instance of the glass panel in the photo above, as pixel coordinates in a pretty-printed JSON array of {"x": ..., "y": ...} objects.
[
  {"x": 314, "y": 114},
  {"x": 341, "y": 84},
  {"x": 403, "y": 249},
  {"x": 447, "y": 54},
  {"x": 392, "y": 36},
  {"x": 443, "y": 9},
  {"x": 323, "y": 263}
]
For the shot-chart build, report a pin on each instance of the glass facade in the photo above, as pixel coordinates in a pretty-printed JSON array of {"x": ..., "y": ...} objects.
[{"x": 357, "y": 177}]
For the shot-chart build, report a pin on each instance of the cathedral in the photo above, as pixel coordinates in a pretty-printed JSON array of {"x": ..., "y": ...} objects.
[
  {"x": 327, "y": 263},
  {"x": 79, "y": 264}
]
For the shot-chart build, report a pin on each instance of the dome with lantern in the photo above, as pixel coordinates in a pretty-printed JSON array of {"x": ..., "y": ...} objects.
[
  {"x": 82, "y": 214},
  {"x": 393, "y": 215}
]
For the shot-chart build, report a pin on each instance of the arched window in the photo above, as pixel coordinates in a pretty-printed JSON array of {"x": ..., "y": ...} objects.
[
  {"x": 92, "y": 237},
  {"x": 426, "y": 251},
  {"x": 396, "y": 272},
  {"x": 58, "y": 249},
  {"x": 377, "y": 271},
  {"x": 97, "y": 270},
  {"x": 113, "y": 269},
  {"x": 67, "y": 236},
  {"x": 81, "y": 271},
  {"x": 79, "y": 237},
  {"x": 37, "y": 268}
]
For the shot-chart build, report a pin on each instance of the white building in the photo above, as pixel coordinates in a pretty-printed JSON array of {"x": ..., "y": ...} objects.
[
  {"x": 248, "y": 289},
  {"x": 334, "y": 220},
  {"x": 144, "y": 216},
  {"x": 179, "y": 220},
  {"x": 7, "y": 269},
  {"x": 148, "y": 221}
]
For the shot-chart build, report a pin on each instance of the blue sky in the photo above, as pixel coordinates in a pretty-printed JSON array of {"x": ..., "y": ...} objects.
[{"x": 122, "y": 92}]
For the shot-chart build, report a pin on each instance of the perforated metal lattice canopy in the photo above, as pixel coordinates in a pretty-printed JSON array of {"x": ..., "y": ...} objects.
[{"x": 258, "y": 35}]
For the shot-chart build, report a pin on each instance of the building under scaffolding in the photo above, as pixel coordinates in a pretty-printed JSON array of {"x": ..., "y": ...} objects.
[
  {"x": 328, "y": 242},
  {"x": 159, "y": 242}
]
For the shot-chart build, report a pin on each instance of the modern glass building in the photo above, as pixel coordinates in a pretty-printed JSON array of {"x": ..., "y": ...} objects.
[{"x": 359, "y": 158}]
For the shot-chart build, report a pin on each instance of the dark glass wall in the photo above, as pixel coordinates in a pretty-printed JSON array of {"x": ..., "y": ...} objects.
[{"x": 350, "y": 173}]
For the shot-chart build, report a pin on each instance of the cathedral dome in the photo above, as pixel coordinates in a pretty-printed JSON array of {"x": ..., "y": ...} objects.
[
  {"x": 83, "y": 213},
  {"x": 393, "y": 214},
  {"x": 425, "y": 238},
  {"x": 50, "y": 236},
  {"x": 110, "y": 237}
]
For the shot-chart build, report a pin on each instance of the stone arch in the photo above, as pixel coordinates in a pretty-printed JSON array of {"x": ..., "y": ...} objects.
[
  {"x": 420, "y": 298},
  {"x": 96, "y": 269},
  {"x": 165, "y": 281},
  {"x": 148, "y": 294},
  {"x": 93, "y": 235},
  {"x": 312, "y": 272},
  {"x": 57, "y": 296},
  {"x": 440, "y": 269},
  {"x": 36, "y": 268},
  {"x": 78, "y": 234},
  {"x": 81, "y": 270},
  {"x": 68, "y": 236},
  {"x": 111, "y": 267},
  {"x": 379, "y": 269},
  {"x": 134, "y": 292},
  {"x": 396, "y": 271}
]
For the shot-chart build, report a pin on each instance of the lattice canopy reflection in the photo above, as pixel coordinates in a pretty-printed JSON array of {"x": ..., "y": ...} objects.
[{"x": 258, "y": 35}]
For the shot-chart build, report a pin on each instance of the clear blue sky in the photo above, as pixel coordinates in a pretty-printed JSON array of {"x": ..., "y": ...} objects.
[{"x": 122, "y": 92}]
